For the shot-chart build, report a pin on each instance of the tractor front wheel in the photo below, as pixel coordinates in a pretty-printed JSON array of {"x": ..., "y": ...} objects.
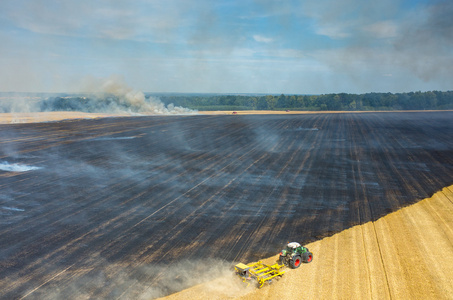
[{"x": 295, "y": 262}]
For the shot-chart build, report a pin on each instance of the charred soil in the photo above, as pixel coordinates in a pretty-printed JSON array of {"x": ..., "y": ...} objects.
[{"x": 117, "y": 207}]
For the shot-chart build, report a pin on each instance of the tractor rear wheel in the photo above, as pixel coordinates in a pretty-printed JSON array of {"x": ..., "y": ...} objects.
[
  {"x": 308, "y": 257},
  {"x": 295, "y": 262}
]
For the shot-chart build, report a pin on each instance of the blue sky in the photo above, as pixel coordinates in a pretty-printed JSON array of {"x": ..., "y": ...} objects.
[{"x": 228, "y": 46}]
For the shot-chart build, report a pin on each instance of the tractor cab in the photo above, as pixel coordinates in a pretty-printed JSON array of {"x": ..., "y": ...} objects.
[{"x": 292, "y": 247}]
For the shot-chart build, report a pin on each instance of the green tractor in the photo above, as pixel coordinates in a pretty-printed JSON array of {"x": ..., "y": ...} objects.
[{"x": 294, "y": 254}]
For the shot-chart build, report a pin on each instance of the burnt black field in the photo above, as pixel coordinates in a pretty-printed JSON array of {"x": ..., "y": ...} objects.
[{"x": 125, "y": 207}]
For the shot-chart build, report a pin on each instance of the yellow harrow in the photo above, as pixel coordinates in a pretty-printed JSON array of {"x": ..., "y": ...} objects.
[{"x": 259, "y": 272}]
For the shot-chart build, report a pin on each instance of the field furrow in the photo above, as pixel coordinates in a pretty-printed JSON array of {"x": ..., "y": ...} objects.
[{"x": 147, "y": 206}]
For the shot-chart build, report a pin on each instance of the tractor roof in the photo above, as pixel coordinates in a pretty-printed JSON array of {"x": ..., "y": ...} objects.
[{"x": 293, "y": 245}]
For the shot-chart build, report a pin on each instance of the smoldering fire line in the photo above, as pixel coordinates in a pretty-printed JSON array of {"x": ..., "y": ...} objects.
[
  {"x": 112, "y": 104},
  {"x": 94, "y": 103}
]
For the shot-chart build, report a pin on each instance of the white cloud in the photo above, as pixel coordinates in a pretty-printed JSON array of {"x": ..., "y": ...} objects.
[
  {"x": 262, "y": 39},
  {"x": 109, "y": 19},
  {"x": 333, "y": 31}
]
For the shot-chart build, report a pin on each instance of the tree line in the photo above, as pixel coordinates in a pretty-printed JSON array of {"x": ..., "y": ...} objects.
[{"x": 334, "y": 102}]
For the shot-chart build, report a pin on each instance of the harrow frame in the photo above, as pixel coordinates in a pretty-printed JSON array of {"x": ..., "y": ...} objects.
[{"x": 258, "y": 271}]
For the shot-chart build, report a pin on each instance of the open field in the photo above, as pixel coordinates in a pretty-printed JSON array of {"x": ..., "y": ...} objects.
[
  {"x": 51, "y": 116},
  {"x": 407, "y": 254},
  {"x": 134, "y": 206}
]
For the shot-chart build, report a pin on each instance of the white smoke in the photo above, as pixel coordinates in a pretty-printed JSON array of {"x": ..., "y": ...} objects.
[
  {"x": 99, "y": 95},
  {"x": 127, "y": 99},
  {"x": 19, "y": 103},
  {"x": 5, "y": 166},
  {"x": 115, "y": 85}
]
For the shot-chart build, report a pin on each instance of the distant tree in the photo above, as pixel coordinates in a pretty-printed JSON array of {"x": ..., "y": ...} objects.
[
  {"x": 271, "y": 102},
  {"x": 282, "y": 102},
  {"x": 262, "y": 103},
  {"x": 252, "y": 102},
  {"x": 431, "y": 100}
]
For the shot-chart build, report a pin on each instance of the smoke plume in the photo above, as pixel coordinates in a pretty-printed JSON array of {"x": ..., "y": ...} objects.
[
  {"x": 426, "y": 41},
  {"x": 113, "y": 95},
  {"x": 100, "y": 95}
]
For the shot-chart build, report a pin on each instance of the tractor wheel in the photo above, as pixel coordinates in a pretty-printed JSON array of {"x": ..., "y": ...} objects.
[
  {"x": 282, "y": 259},
  {"x": 308, "y": 257},
  {"x": 295, "y": 262}
]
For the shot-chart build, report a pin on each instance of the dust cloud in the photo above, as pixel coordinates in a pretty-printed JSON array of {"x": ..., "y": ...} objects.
[{"x": 128, "y": 282}]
